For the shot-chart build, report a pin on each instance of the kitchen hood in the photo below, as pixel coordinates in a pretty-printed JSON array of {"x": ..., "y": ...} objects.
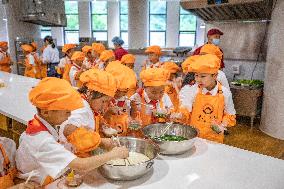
[
  {"x": 43, "y": 12},
  {"x": 229, "y": 10}
]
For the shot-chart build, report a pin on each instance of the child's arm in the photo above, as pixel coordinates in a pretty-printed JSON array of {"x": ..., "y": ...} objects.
[
  {"x": 90, "y": 163},
  {"x": 229, "y": 118}
]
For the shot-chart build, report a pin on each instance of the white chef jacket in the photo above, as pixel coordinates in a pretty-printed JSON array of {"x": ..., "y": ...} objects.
[
  {"x": 50, "y": 55},
  {"x": 63, "y": 61},
  {"x": 42, "y": 154},
  {"x": 221, "y": 77},
  {"x": 188, "y": 93},
  {"x": 149, "y": 107},
  {"x": 72, "y": 73}
]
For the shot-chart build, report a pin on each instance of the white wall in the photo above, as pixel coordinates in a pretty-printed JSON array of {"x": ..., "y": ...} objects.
[{"x": 3, "y": 24}]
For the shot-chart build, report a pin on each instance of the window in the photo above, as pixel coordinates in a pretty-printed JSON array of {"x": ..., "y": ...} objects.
[
  {"x": 71, "y": 32},
  {"x": 187, "y": 28},
  {"x": 158, "y": 23},
  {"x": 99, "y": 20},
  {"x": 44, "y": 31},
  {"x": 124, "y": 21}
]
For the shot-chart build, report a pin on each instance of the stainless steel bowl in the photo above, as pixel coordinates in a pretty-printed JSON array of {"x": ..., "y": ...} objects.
[
  {"x": 131, "y": 172},
  {"x": 172, "y": 147}
]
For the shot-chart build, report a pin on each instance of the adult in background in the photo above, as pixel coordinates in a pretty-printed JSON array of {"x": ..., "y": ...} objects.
[
  {"x": 213, "y": 36},
  {"x": 50, "y": 57},
  {"x": 118, "y": 50}
]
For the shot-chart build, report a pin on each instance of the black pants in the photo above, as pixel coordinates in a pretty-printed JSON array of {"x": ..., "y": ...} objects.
[{"x": 51, "y": 70}]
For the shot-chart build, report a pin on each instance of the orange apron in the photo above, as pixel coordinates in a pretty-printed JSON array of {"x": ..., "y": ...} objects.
[
  {"x": 206, "y": 108},
  {"x": 30, "y": 70},
  {"x": 66, "y": 72},
  {"x": 148, "y": 119},
  {"x": 172, "y": 93},
  {"x": 120, "y": 122},
  {"x": 6, "y": 181},
  {"x": 37, "y": 66},
  {"x": 5, "y": 63}
]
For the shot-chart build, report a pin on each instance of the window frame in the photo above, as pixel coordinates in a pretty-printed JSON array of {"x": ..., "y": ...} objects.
[
  {"x": 45, "y": 30},
  {"x": 104, "y": 14},
  {"x": 72, "y": 30},
  {"x": 122, "y": 14},
  {"x": 189, "y": 31},
  {"x": 156, "y": 31}
]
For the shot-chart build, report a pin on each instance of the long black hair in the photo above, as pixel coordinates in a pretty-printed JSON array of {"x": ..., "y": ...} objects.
[{"x": 49, "y": 39}]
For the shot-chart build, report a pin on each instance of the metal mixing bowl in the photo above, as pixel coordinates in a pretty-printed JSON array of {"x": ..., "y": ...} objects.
[
  {"x": 131, "y": 172},
  {"x": 172, "y": 147}
]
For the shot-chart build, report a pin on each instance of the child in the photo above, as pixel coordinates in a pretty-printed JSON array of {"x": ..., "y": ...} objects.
[
  {"x": 98, "y": 48},
  {"x": 65, "y": 62},
  {"x": 41, "y": 69},
  {"x": 30, "y": 62},
  {"x": 119, "y": 114},
  {"x": 209, "y": 103},
  {"x": 76, "y": 69},
  {"x": 128, "y": 60},
  {"x": 174, "y": 83},
  {"x": 5, "y": 59},
  {"x": 215, "y": 50},
  {"x": 99, "y": 88},
  {"x": 152, "y": 100},
  {"x": 106, "y": 57},
  {"x": 154, "y": 54},
  {"x": 89, "y": 61},
  {"x": 39, "y": 153}
]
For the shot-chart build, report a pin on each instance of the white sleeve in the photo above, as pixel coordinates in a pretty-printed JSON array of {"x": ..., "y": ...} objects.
[
  {"x": 72, "y": 74},
  {"x": 62, "y": 63},
  {"x": 1, "y": 56},
  {"x": 167, "y": 102},
  {"x": 82, "y": 117},
  {"x": 31, "y": 59},
  {"x": 53, "y": 158},
  {"x": 229, "y": 104},
  {"x": 46, "y": 56},
  {"x": 187, "y": 96},
  {"x": 223, "y": 79}
]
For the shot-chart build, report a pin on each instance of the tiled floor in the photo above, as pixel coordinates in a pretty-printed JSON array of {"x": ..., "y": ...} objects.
[{"x": 242, "y": 136}]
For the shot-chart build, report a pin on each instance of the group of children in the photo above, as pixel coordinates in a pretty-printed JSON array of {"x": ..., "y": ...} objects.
[{"x": 99, "y": 96}]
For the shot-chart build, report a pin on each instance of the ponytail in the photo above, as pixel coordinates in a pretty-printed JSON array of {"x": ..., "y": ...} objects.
[{"x": 49, "y": 40}]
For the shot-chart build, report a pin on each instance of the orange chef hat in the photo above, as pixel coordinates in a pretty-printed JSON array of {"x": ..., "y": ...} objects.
[
  {"x": 154, "y": 49},
  {"x": 87, "y": 49},
  {"x": 34, "y": 45},
  {"x": 98, "y": 47},
  {"x": 67, "y": 47},
  {"x": 106, "y": 55},
  {"x": 125, "y": 76},
  {"x": 205, "y": 64},
  {"x": 84, "y": 141},
  {"x": 78, "y": 55},
  {"x": 188, "y": 61},
  {"x": 3, "y": 44},
  {"x": 211, "y": 49},
  {"x": 171, "y": 67},
  {"x": 128, "y": 59},
  {"x": 27, "y": 48},
  {"x": 101, "y": 81},
  {"x": 154, "y": 77},
  {"x": 55, "y": 94}
]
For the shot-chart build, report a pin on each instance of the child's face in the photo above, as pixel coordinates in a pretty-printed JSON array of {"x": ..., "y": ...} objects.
[
  {"x": 120, "y": 93},
  {"x": 100, "y": 105},
  {"x": 95, "y": 54},
  {"x": 55, "y": 117},
  {"x": 205, "y": 80},
  {"x": 172, "y": 77},
  {"x": 154, "y": 58},
  {"x": 89, "y": 55},
  {"x": 155, "y": 93},
  {"x": 4, "y": 48},
  {"x": 131, "y": 66},
  {"x": 70, "y": 52},
  {"x": 78, "y": 62}
]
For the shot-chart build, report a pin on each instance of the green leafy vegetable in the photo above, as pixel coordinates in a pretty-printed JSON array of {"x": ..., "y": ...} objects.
[{"x": 170, "y": 138}]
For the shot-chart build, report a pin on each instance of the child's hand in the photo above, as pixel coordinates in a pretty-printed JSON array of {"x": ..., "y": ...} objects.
[
  {"x": 175, "y": 116},
  {"x": 108, "y": 143},
  {"x": 120, "y": 152}
]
